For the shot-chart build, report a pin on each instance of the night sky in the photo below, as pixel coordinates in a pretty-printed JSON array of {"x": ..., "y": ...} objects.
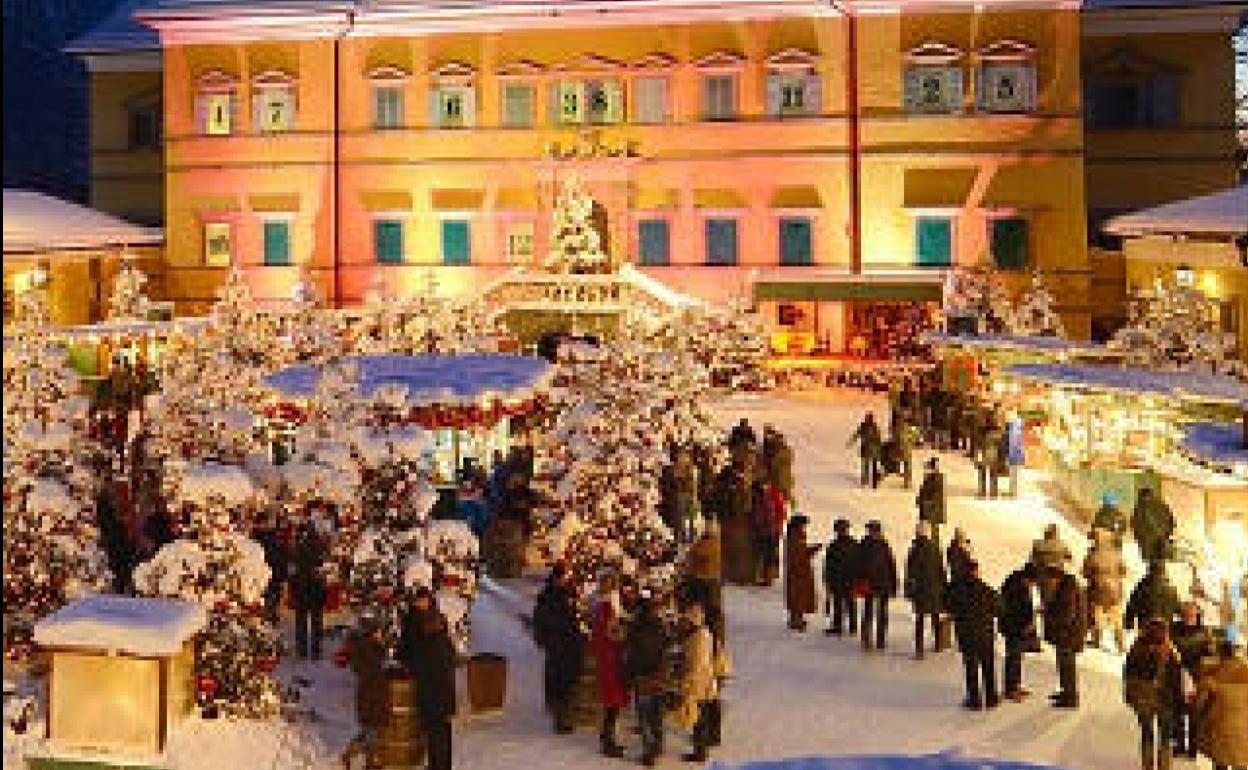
[{"x": 45, "y": 96}]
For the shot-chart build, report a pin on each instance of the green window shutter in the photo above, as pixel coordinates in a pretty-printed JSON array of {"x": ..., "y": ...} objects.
[
  {"x": 795, "y": 248},
  {"x": 721, "y": 241},
  {"x": 455, "y": 242},
  {"x": 1009, "y": 243},
  {"x": 655, "y": 242},
  {"x": 388, "y": 241},
  {"x": 933, "y": 242},
  {"x": 276, "y": 243}
]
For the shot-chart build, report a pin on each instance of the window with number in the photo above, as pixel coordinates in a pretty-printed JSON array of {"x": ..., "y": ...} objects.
[
  {"x": 1009, "y": 243},
  {"x": 933, "y": 89},
  {"x": 517, "y": 105},
  {"x": 388, "y": 241},
  {"x": 456, "y": 242},
  {"x": 520, "y": 243},
  {"x": 276, "y": 243},
  {"x": 933, "y": 241},
  {"x": 387, "y": 107},
  {"x": 216, "y": 113},
  {"x": 795, "y": 241},
  {"x": 453, "y": 106},
  {"x": 1007, "y": 87},
  {"x": 792, "y": 93},
  {"x": 721, "y": 241},
  {"x": 719, "y": 97},
  {"x": 218, "y": 244},
  {"x": 588, "y": 101},
  {"x": 274, "y": 109},
  {"x": 650, "y": 95},
  {"x": 654, "y": 242}
]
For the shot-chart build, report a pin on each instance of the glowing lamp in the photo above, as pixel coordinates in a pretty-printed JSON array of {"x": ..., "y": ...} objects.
[
  {"x": 1184, "y": 275},
  {"x": 122, "y": 673}
]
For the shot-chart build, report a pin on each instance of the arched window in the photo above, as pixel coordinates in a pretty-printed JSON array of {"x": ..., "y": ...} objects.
[
  {"x": 273, "y": 102},
  {"x": 387, "y": 83},
  {"x": 453, "y": 100},
  {"x": 216, "y": 103},
  {"x": 1006, "y": 77},
  {"x": 933, "y": 79},
  {"x": 793, "y": 83}
]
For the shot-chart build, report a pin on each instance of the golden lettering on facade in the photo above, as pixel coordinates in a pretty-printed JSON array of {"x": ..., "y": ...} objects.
[{"x": 590, "y": 145}]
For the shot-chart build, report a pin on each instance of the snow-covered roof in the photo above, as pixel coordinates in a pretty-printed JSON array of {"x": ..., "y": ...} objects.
[
  {"x": 118, "y": 32},
  {"x": 1218, "y": 443},
  {"x": 432, "y": 378},
  {"x": 1223, "y": 213},
  {"x": 1012, "y": 342},
  {"x": 1177, "y": 384},
  {"x": 135, "y": 626},
  {"x": 34, "y": 222}
]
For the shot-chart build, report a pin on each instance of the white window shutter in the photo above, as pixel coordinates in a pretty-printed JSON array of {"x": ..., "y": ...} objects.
[
  {"x": 435, "y": 108},
  {"x": 613, "y": 92},
  {"x": 813, "y": 96},
  {"x": 257, "y": 111},
  {"x": 774, "y": 98},
  {"x": 201, "y": 114},
  {"x": 708, "y": 97},
  {"x": 470, "y": 106},
  {"x": 553, "y": 105},
  {"x": 953, "y": 80}
]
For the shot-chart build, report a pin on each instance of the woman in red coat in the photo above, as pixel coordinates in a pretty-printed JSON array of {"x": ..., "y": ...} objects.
[{"x": 607, "y": 642}]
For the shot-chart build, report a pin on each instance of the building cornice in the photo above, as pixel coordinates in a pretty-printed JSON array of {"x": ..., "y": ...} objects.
[
  {"x": 1135, "y": 21},
  {"x": 130, "y": 61}
]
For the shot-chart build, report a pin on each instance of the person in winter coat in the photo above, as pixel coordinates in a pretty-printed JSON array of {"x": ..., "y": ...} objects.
[
  {"x": 607, "y": 643},
  {"x": 1018, "y": 627},
  {"x": 1152, "y": 522},
  {"x": 646, "y": 673},
  {"x": 1066, "y": 628},
  {"x": 906, "y": 438},
  {"x": 367, "y": 658},
  {"x": 1195, "y": 643},
  {"x": 974, "y": 606},
  {"x": 270, "y": 540},
  {"x": 429, "y": 656},
  {"x": 557, "y": 630},
  {"x": 698, "y": 684},
  {"x": 702, "y": 575},
  {"x": 799, "y": 575},
  {"x": 742, "y": 434},
  {"x": 686, "y": 507},
  {"x": 1152, "y": 687},
  {"x": 1104, "y": 570},
  {"x": 1013, "y": 451},
  {"x": 959, "y": 555},
  {"x": 780, "y": 466},
  {"x": 1222, "y": 702},
  {"x": 766, "y": 527},
  {"x": 840, "y": 568},
  {"x": 877, "y": 573},
  {"x": 735, "y": 506},
  {"x": 309, "y": 590},
  {"x": 870, "y": 446},
  {"x": 988, "y": 459},
  {"x": 1153, "y": 597},
  {"x": 925, "y": 586},
  {"x": 1110, "y": 518},
  {"x": 931, "y": 499},
  {"x": 1050, "y": 553}
]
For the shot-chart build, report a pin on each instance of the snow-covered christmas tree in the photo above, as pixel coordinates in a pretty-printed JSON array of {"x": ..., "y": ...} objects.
[
  {"x": 975, "y": 297},
  {"x": 1176, "y": 328},
  {"x": 575, "y": 245},
  {"x": 128, "y": 302},
  {"x": 1035, "y": 314}
]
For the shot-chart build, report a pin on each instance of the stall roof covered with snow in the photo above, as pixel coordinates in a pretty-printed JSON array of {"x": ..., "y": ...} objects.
[
  {"x": 123, "y": 624},
  {"x": 1203, "y": 387},
  {"x": 34, "y": 223},
  {"x": 1220, "y": 214}
]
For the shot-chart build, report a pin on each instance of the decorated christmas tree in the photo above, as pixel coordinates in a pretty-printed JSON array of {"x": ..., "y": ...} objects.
[
  {"x": 216, "y": 566},
  {"x": 575, "y": 245},
  {"x": 128, "y": 302},
  {"x": 1035, "y": 314},
  {"x": 975, "y": 299},
  {"x": 1176, "y": 328}
]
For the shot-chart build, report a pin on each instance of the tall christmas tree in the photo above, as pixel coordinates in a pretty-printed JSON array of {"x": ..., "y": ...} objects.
[
  {"x": 975, "y": 298},
  {"x": 128, "y": 302},
  {"x": 1176, "y": 328},
  {"x": 575, "y": 245},
  {"x": 1035, "y": 314}
]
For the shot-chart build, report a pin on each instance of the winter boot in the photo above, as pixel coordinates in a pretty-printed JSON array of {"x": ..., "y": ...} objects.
[
  {"x": 697, "y": 755},
  {"x": 611, "y": 749},
  {"x": 1147, "y": 754}
]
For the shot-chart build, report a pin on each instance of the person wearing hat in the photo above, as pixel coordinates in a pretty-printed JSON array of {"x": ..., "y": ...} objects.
[
  {"x": 1066, "y": 628},
  {"x": 1152, "y": 522},
  {"x": 975, "y": 607},
  {"x": 1018, "y": 626},
  {"x": 799, "y": 574},
  {"x": 840, "y": 568},
  {"x": 877, "y": 573},
  {"x": 429, "y": 656},
  {"x": 1104, "y": 570},
  {"x": 925, "y": 585},
  {"x": 1196, "y": 644},
  {"x": 1109, "y": 517},
  {"x": 931, "y": 498},
  {"x": 646, "y": 673},
  {"x": 698, "y": 682},
  {"x": 870, "y": 445},
  {"x": 366, "y": 655},
  {"x": 1153, "y": 688},
  {"x": 703, "y": 570}
]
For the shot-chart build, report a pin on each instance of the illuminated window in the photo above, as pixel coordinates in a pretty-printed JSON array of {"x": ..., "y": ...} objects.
[
  {"x": 721, "y": 241},
  {"x": 453, "y": 106},
  {"x": 650, "y": 100},
  {"x": 520, "y": 243},
  {"x": 719, "y": 97},
  {"x": 456, "y": 242},
  {"x": 274, "y": 109},
  {"x": 388, "y": 241},
  {"x": 654, "y": 242},
  {"x": 388, "y": 106},
  {"x": 216, "y": 113},
  {"x": 795, "y": 241},
  {"x": 518, "y": 105},
  {"x": 218, "y": 244},
  {"x": 276, "y": 243}
]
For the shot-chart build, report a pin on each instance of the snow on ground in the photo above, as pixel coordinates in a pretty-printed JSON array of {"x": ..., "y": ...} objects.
[{"x": 798, "y": 701}]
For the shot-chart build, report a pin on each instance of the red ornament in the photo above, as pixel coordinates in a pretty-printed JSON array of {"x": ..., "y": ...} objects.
[
  {"x": 267, "y": 664},
  {"x": 206, "y": 685},
  {"x": 342, "y": 656}
]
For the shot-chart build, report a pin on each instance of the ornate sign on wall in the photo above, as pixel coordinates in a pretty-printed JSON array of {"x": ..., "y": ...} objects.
[{"x": 590, "y": 145}]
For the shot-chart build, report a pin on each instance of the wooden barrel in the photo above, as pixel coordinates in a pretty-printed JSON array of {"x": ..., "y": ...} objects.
[
  {"x": 487, "y": 682},
  {"x": 400, "y": 742}
]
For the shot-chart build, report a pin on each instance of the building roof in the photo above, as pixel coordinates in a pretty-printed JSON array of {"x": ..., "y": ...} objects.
[
  {"x": 34, "y": 222},
  {"x": 1220, "y": 214},
  {"x": 1096, "y": 5},
  {"x": 118, "y": 32}
]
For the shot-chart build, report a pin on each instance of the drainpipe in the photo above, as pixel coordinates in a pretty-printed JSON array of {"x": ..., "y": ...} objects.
[
  {"x": 337, "y": 162},
  {"x": 855, "y": 143}
]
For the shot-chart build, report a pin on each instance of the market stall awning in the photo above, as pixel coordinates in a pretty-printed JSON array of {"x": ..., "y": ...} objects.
[
  {"x": 938, "y": 188},
  {"x": 34, "y": 223},
  {"x": 1204, "y": 387},
  {"x": 1220, "y": 214}
]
